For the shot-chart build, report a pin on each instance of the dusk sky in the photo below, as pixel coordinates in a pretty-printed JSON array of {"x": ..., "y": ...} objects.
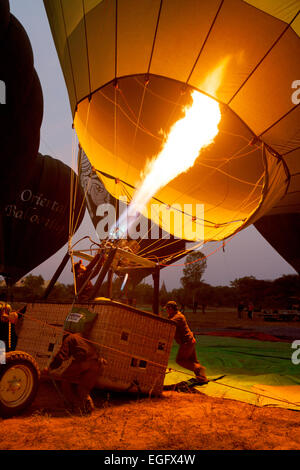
[{"x": 247, "y": 254}]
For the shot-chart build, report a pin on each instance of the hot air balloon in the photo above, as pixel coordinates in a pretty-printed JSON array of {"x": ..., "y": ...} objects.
[
  {"x": 21, "y": 115},
  {"x": 97, "y": 198},
  {"x": 282, "y": 231},
  {"x": 34, "y": 189},
  {"x": 183, "y": 104},
  {"x": 34, "y": 223},
  {"x": 132, "y": 69}
]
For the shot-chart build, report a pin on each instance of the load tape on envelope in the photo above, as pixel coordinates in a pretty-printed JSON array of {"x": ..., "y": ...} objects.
[{"x": 79, "y": 320}]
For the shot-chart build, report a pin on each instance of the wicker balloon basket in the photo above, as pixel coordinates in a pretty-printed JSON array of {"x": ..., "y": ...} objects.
[{"x": 135, "y": 344}]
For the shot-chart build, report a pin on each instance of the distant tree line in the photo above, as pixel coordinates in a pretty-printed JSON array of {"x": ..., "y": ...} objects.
[
  {"x": 194, "y": 293},
  {"x": 264, "y": 294},
  {"x": 31, "y": 288},
  {"x": 280, "y": 293}
]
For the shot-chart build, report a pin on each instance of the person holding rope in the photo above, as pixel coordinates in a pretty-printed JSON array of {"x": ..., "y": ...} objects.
[
  {"x": 186, "y": 356},
  {"x": 8, "y": 321},
  {"x": 81, "y": 376}
]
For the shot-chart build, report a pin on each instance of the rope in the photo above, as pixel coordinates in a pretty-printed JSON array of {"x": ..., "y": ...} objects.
[
  {"x": 209, "y": 175},
  {"x": 106, "y": 175},
  {"x": 134, "y": 123},
  {"x": 60, "y": 329},
  {"x": 171, "y": 369},
  {"x": 160, "y": 365},
  {"x": 287, "y": 27},
  {"x": 215, "y": 169},
  {"x": 69, "y": 52},
  {"x": 258, "y": 394},
  {"x": 218, "y": 169},
  {"x": 87, "y": 48},
  {"x": 223, "y": 243},
  {"x": 205, "y": 41},
  {"x": 9, "y": 335},
  {"x": 155, "y": 35}
]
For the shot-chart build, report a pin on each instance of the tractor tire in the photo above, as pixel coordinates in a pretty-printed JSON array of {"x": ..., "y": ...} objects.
[{"x": 19, "y": 379}]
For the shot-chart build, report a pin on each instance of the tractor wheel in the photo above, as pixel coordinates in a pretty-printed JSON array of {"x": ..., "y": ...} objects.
[{"x": 19, "y": 378}]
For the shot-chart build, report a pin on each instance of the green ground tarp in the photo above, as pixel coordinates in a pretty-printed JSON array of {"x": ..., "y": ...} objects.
[{"x": 256, "y": 372}]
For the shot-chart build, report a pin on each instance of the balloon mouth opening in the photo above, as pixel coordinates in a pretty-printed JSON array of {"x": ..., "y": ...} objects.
[{"x": 122, "y": 129}]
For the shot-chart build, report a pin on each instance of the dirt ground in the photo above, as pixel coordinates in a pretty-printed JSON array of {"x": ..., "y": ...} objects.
[{"x": 174, "y": 421}]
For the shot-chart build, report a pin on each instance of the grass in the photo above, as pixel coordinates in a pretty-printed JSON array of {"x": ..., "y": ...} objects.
[{"x": 174, "y": 421}]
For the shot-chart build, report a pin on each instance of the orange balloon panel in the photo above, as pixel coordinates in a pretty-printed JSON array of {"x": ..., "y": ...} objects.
[
  {"x": 120, "y": 136},
  {"x": 242, "y": 54}
]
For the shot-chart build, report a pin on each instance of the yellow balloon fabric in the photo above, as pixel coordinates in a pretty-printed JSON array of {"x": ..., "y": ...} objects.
[{"x": 130, "y": 67}]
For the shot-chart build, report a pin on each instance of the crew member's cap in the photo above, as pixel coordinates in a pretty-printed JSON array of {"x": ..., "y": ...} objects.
[
  {"x": 5, "y": 306},
  {"x": 172, "y": 304}
]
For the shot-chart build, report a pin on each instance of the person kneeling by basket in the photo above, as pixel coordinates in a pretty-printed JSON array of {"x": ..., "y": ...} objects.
[
  {"x": 186, "y": 356},
  {"x": 81, "y": 375}
]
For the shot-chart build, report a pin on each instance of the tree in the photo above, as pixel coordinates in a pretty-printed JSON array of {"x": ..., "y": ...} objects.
[
  {"x": 193, "y": 271},
  {"x": 286, "y": 290},
  {"x": 180, "y": 296},
  {"x": 192, "y": 274},
  {"x": 163, "y": 295},
  {"x": 62, "y": 293},
  {"x": 204, "y": 295},
  {"x": 249, "y": 288},
  {"x": 33, "y": 286},
  {"x": 35, "y": 283},
  {"x": 224, "y": 296}
]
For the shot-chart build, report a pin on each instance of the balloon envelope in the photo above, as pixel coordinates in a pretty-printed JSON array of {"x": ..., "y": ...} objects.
[
  {"x": 34, "y": 224},
  {"x": 130, "y": 66},
  {"x": 21, "y": 114},
  {"x": 163, "y": 249},
  {"x": 34, "y": 189},
  {"x": 282, "y": 231}
]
